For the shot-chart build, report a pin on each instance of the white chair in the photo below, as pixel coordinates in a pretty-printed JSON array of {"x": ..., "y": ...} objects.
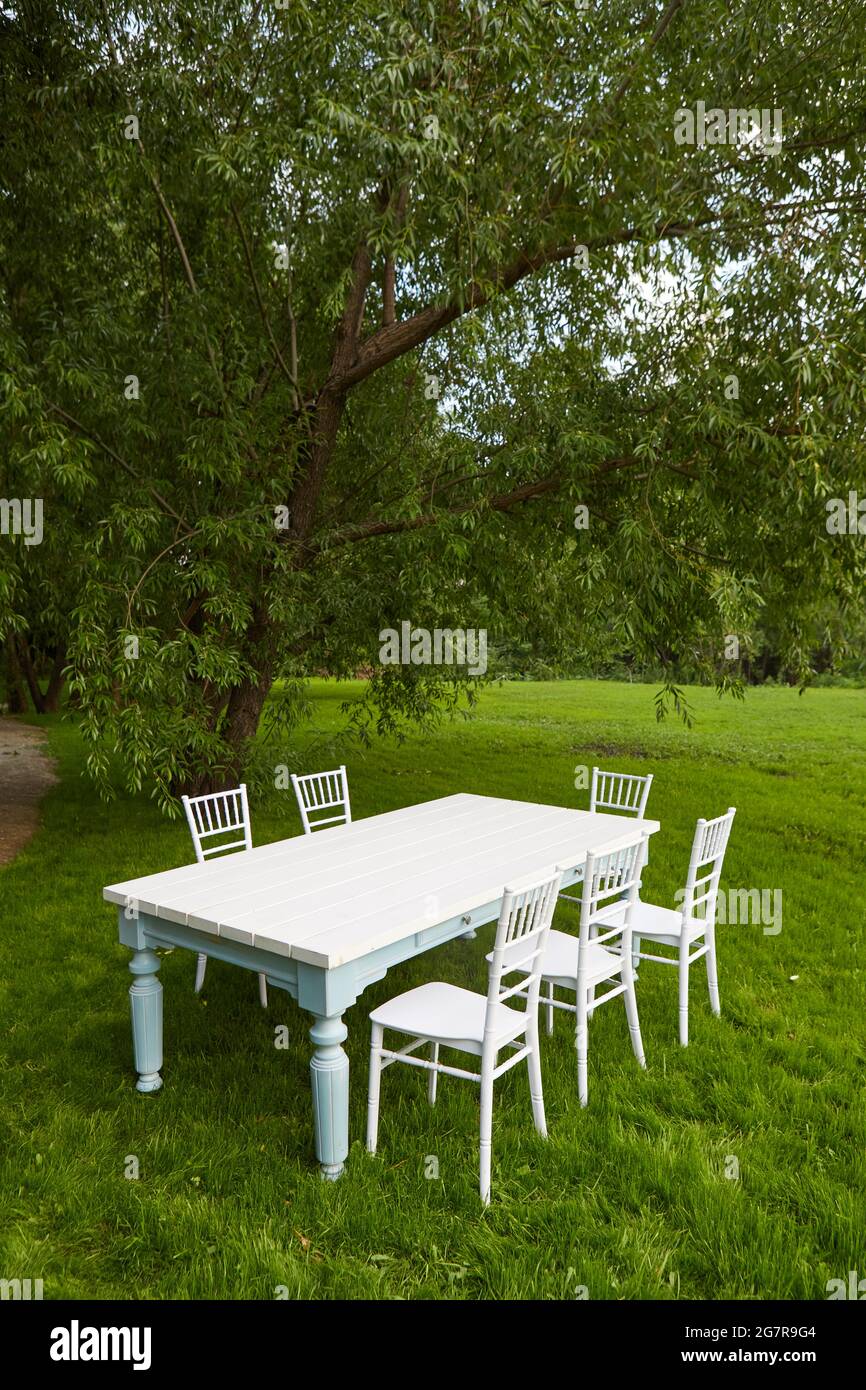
[
  {"x": 446, "y": 1016},
  {"x": 319, "y": 792},
  {"x": 696, "y": 919},
  {"x": 213, "y": 817},
  {"x": 625, "y": 792},
  {"x": 602, "y": 952}
]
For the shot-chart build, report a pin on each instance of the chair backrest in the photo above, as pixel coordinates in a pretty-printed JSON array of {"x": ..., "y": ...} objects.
[
  {"x": 319, "y": 793},
  {"x": 521, "y": 939},
  {"x": 611, "y": 884},
  {"x": 619, "y": 791},
  {"x": 705, "y": 866},
  {"x": 217, "y": 815}
]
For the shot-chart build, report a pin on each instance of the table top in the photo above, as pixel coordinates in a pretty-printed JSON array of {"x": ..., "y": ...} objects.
[{"x": 341, "y": 893}]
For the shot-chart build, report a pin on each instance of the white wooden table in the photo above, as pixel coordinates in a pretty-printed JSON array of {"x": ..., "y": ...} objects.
[{"x": 325, "y": 915}]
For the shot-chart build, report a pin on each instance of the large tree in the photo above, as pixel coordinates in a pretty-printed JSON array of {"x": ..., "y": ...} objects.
[{"x": 321, "y": 316}]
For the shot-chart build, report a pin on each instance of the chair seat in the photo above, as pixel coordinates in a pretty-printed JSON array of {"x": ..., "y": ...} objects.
[
  {"x": 663, "y": 924},
  {"x": 447, "y": 1014},
  {"x": 560, "y": 959}
]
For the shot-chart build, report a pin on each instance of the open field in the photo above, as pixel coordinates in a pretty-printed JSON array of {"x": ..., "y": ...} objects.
[{"x": 629, "y": 1198}]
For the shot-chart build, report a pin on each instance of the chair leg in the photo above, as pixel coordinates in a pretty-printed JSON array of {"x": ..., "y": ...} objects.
[
  {"x": 591, "y": 1009},
  {"x": 635, "y": 953},
  {"x": 591, "y": 1002},
  {"x": 263, "y": 991},
  {"x": 712, "y": 973},
  {"x": 535, "y": 1092},
  {"x": 549, "y": 1009},
  {"x": 486, "y": 1135},
  {"x": 581, "y": 1042},
  {"x": 633, "y": 1023},
  {"x": 684, "y": 996},
  {"x": 433, "y": 1076},
  {"x": 200, "y": 968},
  {"x": 374, "y": 1086}
]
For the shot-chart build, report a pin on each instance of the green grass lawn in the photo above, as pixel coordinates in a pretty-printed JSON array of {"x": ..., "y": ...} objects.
[{"x": 628, "y": 1198}]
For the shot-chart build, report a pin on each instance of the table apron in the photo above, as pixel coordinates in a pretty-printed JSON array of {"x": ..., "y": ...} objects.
[
  {"x": 144, "y": 931},
  {"x": 325, "y": 992}
]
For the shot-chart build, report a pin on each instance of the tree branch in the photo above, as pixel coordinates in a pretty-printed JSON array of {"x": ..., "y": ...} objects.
[
  {"x": 389, "y": 312},
  {"x": 287, "y": 372},
  {"x": 502, "y": 502},
  {"x": 331, "y": 400},
  {"x": 127, "y": 467},
  {"x": 389, "y": 343},
  {"x": 187, "y": 268}
]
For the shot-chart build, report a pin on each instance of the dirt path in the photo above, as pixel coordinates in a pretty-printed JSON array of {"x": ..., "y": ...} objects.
[{"x": 26, "y": 773}]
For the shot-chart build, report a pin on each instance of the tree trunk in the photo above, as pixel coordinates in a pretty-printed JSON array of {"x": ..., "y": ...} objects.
[
  {"x": 243, "y": 713},
  {"x": 30, "y": 676},
  {"x": 243, "y": 709},
  {"x": 17, "y": 694},
  {"x": 56, "y": 680},
  {"x": 247, "y": 700}
]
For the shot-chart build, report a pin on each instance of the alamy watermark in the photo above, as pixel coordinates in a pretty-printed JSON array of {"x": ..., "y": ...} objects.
[
  {"x": 757, "y": 907},
  {"x": 77, "y": 1343},
  {"x": 852, "y": 1288},
  {"x": 418, "y": 646},
  {"x": 22, "y": 517},
  {"x": 17, "y": 1289},
  {"x": 758, "y": 128},
  {"x": 846, "y": 518}
]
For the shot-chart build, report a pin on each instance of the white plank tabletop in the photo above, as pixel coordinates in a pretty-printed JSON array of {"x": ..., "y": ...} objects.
[{"x": 344, "y": 892}]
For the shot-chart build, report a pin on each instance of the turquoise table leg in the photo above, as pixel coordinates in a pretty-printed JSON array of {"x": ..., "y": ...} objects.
[
  {"x": 145, "y": 997},
  {"x": 329, "y": 1076}
]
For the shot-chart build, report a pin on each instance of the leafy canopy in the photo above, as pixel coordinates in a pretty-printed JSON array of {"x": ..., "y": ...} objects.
[{"x": 323, "y": 317}]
